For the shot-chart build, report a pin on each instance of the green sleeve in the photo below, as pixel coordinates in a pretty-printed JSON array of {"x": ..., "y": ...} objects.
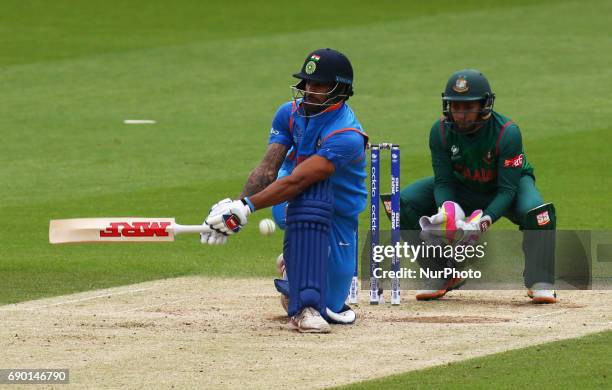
[
  {"x": 508, "y": 172},
  {"x": 444, "y": 180}
]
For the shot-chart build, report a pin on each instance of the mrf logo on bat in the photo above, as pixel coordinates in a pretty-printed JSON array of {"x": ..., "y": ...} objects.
[{"x": 136, "y": 229}]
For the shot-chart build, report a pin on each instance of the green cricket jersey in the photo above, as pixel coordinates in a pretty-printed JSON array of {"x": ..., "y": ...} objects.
[{"x": 490, "y": 161}]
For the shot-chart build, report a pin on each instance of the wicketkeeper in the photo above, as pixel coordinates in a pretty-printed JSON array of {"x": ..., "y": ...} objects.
[
  {"x": 326, "y": 192},
  {"x": 479, "y": 162}
]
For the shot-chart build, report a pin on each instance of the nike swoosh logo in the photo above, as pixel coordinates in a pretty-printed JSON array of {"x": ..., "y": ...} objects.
[{"x": 344, "y": 244}]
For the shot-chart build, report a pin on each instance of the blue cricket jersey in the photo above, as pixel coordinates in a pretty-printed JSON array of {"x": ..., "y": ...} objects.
[
  {"x": 336, "y": 135},
  {"x": 288, "y": 164}
]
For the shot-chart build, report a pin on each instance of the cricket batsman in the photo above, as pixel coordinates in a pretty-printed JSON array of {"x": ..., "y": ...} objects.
[
  {"x": 479, "y": 162},
  {"x": 325, "y": 191}
]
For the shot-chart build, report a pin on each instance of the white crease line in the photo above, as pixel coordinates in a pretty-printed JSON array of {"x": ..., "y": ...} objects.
[
  {"x": 139, "y": 121},
  {"x": 73, "y": 300},
  {"x": 546, "y": 314},
  {"x": 149, "y": 306}
]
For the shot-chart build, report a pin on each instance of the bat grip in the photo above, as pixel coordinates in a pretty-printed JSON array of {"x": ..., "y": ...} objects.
[{"x": 178, "y": 229}]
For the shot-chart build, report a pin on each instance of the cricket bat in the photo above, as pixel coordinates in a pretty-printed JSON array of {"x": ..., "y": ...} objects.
[{"x": 120, "y": 229}]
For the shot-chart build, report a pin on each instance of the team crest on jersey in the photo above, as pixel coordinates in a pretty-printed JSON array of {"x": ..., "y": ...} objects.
[
  {"x": 461, "y": 85},
  {"x": 488, "y": 157},
  {"x": 310, "y": 67}
]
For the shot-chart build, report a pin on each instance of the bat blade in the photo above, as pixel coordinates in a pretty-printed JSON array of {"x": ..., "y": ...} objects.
[{"x": 120, "y": 229}]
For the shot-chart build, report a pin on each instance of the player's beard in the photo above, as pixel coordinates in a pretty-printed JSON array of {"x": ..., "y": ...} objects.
[
  {"x": 313, "y": 107},
  {"x": 468, "y": 128},
  {"x": 315, "y": 103}
]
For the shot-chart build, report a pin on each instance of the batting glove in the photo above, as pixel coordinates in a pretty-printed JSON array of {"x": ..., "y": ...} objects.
[
  {"x": 229, "y": 216},
  {"x": 213, "y": 238}
]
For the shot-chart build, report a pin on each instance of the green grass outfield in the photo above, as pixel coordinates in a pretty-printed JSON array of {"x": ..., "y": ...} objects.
[
  {"x": 568, "y": 364},
  {"x": 212, "y": 76}
]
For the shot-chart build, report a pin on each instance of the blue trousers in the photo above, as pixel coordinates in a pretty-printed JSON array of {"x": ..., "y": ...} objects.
[{"x": 342, "y": 255}]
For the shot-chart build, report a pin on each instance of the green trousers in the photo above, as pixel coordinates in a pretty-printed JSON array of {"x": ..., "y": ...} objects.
[
  {"x": 538, "y": 247},
  {"x": 418, "y": 199}
]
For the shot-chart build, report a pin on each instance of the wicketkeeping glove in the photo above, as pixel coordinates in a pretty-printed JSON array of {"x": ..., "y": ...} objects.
[
  {"x": 442, "y": 226},
  {"x": 474, "y": 226},
  {"x": 445, "y": 219}
]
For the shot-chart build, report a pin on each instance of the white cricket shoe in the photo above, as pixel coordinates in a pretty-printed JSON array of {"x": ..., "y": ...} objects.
[
  {"x": 309, "y": 321},
  {"x": 542, "y": 293}
]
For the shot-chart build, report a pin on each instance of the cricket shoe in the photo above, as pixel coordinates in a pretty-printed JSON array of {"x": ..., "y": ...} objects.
[
  {"x": 282, "y": 273},
  {"x": 437, "y": 288},
  {"x": 346, "y": 316},
  {"x": 542, "y": 293},
  {"x": 309, "y": 320}
]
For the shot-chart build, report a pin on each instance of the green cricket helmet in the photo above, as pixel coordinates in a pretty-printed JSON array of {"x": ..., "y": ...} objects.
[{"x": 467, "y": 85}]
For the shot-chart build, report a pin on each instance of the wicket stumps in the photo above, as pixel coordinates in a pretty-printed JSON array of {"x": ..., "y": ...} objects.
[
  {"x": 376, "y": 291},
  {"x": 354, "y": 291}
]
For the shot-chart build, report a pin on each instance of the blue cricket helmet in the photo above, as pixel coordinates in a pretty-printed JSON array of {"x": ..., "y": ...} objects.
[{"x": 328, "y": 66}]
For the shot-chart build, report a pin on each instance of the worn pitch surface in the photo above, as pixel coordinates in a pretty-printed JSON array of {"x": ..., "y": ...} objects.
[{"x": 217, "y": 333}]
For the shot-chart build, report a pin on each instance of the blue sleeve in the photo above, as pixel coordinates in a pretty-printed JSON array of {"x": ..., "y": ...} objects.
[
  {"x": 279, "y": 133},
  {"x": 288, "y": 164},
  {"x": 342, "y": 148}
]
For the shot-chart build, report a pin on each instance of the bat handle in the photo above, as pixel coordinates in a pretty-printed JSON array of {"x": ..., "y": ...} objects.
[{"x": 178, "y": 229}]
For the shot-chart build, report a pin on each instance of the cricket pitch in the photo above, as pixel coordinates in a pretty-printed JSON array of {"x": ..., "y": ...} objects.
[{"x": 231, "y": 333}]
